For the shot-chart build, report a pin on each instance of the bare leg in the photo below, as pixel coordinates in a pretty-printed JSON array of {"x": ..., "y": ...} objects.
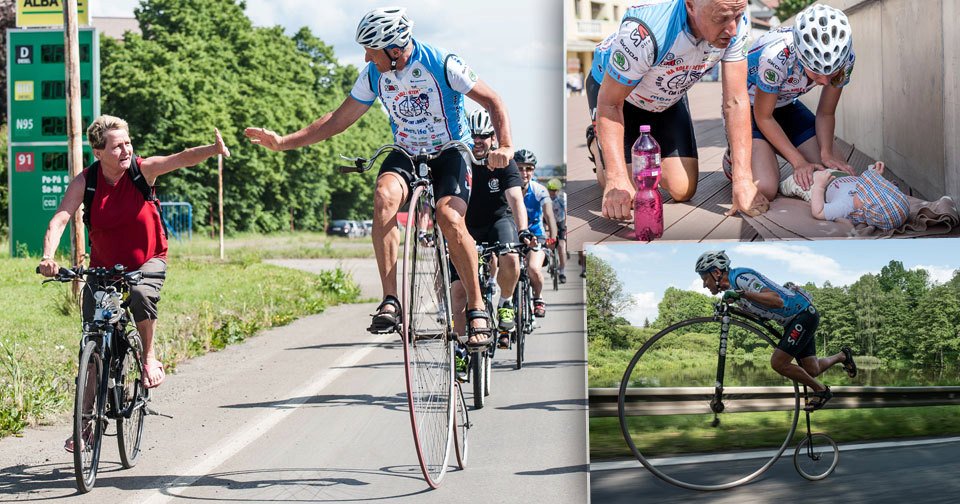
[
  {"x": 535, "y": 271},
  {"x": 816, "y": 366},
  {"x": 766, "y": 170},
  {"x": 147, "y": 328},
  {"x": 680, "y": 177},
  {"x": 463, "y": 250},
  {"x": 391, "y": 191},
  {"x": 509, "y": 274},
  {"x": 458, "y": 297},
  {"x": 562, "y": 252},
  {"x": 782, "y": 363}
]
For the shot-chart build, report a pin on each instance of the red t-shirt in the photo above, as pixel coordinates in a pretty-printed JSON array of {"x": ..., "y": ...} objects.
[{"x": 124, "y": 227}]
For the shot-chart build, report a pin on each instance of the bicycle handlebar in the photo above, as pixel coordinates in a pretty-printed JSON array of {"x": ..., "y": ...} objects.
[
  {"x": 361, "y": 165},
  {"x": 115, "y": 273}
]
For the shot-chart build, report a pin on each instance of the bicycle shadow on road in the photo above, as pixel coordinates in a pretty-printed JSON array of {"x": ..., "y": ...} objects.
[
  {"x": 558, "y": 405},
  {"x": 357, "y": 344},
  {"x": 393, "y": 403}
]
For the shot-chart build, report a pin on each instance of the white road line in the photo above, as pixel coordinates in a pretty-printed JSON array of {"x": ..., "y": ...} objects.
[
  {"x": 726, "y": 457},
  {"x": 258, "y": 427}
]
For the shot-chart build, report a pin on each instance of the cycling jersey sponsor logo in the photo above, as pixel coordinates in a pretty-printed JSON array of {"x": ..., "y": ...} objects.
[
  {"x": 412, "y": 105},
  {"x": 757, "y": 286},
  {"x": 390, "y": 88},
  {"x": 671, "y": 60},
  {"x": 770, "y": 76},
  {"x": 619, "y": 61},
  {"x": 682, "y": 81},
  {"x": 793, "y": 80},
  {"x": 472, "y": 76},
  {"x": 784, "y": 55},
  {"x": 494, "y": 185},
  {"x": 416, "y": 72},
  {"x": 795, "y": 334}
]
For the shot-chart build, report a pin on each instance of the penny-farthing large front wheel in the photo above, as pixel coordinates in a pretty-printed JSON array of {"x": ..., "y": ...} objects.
[
  {"x": 427, "y": 349},
  {"x": 681, "y": 362}
]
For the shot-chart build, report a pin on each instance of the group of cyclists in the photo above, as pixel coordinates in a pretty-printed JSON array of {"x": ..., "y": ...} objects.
[
  {"x": 422, "y": 89},
  {"x": 641, "y": 74}
]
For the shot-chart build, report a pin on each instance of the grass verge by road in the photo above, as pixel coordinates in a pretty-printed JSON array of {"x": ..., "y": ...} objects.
[
  {"x": 679, "y": 434},
  {"x": 206, "y": 304}
]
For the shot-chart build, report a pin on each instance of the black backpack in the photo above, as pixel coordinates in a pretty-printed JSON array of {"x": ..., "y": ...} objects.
[{"x": 139, "y": 181}]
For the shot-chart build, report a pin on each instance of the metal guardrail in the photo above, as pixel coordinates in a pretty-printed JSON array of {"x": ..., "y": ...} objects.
[{"x": 695, "y": 400}]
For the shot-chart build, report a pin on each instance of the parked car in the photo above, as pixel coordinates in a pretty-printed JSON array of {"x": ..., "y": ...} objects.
[
  {"x": 343, "y": 227},
  {"x": 367, "y": 227}
]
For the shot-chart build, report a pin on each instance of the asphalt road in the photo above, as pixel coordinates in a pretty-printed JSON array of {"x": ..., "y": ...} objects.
[
  {"x": 316, "y": 412},
  {"x": 895, "y": 472}
]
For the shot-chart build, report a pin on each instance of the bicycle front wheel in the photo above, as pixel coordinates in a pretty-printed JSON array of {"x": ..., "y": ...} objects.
[
  {"x": 132, "y": 403},
  {"x": 555, "y": 269},
  {"x": 87, "y": 411},
  {"x": 816, "y": 456},
  {"x": 428, "y": 347},
  {"x": 478, "y": 369},
  {"x": 666, "y": 405}
]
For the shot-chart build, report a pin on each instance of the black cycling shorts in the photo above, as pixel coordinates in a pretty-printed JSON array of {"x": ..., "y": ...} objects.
[
  {"x": 451, "y": 173},
  {"x": 798, "y": 339},
  {"x": 561, "y": 231},
  {"x": 503, "y": 230},
  {"x": 672, "y": 128}
]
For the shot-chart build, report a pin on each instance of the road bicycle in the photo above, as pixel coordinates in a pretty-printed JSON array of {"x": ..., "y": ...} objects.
[
  {"x": 667, "y": 362},
  {"x": 553, "y": 266},
  {"x": 109, "y": 383},
  {"x": 523, "y": 302},
  {"x": 481, "y": 363},
  {"x": 426, "y": 326}
]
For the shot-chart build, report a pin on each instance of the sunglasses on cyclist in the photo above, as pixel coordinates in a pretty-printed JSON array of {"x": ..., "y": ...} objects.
[{"x": 484, "y": 137}]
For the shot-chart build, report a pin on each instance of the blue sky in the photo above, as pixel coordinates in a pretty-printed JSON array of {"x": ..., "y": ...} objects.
[
  {"x": 646, "y": 270},
  {"x": 516, "y": 47}
]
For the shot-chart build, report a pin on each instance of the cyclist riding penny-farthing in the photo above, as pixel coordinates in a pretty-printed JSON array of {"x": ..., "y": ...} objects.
[
  {"x": 539, "y": 213},
  {"x": 790, "y": 307},
  {"x": 422, "y": 89},
  {"x": 494, "y": 215}
]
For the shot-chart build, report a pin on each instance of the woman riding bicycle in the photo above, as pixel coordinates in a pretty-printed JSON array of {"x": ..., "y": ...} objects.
[
  {"x": 123, "y": 221},
  {"x": 791, "y": 308}
]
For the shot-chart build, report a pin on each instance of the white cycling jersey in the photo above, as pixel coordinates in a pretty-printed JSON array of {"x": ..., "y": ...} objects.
[
  {"x": 424, "y": 100},
  {"x": 655, "y": 51},
  {"x": 773, "y": 67}
]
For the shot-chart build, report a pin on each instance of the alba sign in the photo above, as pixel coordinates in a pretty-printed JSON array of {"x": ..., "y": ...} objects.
[{"x": 49, "y": 12}]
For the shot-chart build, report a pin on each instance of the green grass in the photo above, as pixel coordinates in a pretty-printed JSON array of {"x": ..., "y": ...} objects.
[
  {"x": 206, "y": 304},
  {"x": 679, "y": 434},
  {"x": 250, "y": 247}
]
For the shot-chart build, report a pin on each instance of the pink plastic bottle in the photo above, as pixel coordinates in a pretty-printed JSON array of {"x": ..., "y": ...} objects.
[{"x": 648, "y": 206}]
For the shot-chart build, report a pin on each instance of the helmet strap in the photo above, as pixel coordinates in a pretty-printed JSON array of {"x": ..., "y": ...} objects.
[{"x": 393, "y": 61}]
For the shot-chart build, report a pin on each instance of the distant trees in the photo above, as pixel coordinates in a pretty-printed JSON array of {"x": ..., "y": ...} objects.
[{"x": 606, "y": 302}]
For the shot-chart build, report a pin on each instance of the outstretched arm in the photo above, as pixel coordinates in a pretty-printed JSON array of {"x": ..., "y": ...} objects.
[
  {"x": 154, "y": 166},
  {"x": 490, "y": 100},
  {"x": 327, "y": 126}
]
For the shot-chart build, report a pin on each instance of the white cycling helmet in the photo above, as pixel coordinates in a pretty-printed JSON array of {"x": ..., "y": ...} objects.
[
  {"x": 480, "y": 123},
  {"x": 822, "y": 37},
  {"x": 385, "y": 27},
  {"x": 713, "y": 259}
]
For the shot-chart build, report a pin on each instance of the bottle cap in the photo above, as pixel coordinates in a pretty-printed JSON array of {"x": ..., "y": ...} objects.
[{"x": 645, "y": 128}]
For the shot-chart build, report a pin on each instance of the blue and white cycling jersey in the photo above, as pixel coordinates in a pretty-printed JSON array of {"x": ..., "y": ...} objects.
[
  {"x": 655, "y": 51},
  {"x": 424, "y": 100},
  {"x": 773, "y": 67},
  {"x": 749, "y": 280},
  {"x": 533, "y": 199}
]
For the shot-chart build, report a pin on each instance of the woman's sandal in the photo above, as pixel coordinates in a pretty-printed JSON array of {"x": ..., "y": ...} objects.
[
  {"x": 486, "y": 332},
  {"x": 819, "y": 400},
  {"x": 848, "y": 365},
  {"x": 386, "y": 321}
]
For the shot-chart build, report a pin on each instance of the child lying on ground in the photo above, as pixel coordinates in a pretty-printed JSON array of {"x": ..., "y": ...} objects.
[{"x": 865, "y": 199}]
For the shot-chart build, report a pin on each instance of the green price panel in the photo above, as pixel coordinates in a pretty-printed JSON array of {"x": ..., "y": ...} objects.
[
  {"x": 40, "y": 175},
  {"x": 37, "y": 91}
]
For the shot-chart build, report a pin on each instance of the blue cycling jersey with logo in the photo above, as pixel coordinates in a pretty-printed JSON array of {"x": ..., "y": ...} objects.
[
  {"x": 655, "y": 52},
  {"x": 749, "y": 280},
  {"x": 533, "y": 199},
  {"x": 424, "y": 100}
]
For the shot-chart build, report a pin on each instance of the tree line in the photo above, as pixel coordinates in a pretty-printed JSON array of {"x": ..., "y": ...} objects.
[
  {"x": 201, "y": 64},
  {"x": 897, "y": 315}
]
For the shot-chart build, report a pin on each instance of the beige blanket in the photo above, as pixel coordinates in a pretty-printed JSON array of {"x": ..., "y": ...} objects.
[{"x": 790, "y": 219}]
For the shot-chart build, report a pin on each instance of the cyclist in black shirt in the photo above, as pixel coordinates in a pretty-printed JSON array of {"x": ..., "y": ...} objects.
[{"x": 494, "y": 214}]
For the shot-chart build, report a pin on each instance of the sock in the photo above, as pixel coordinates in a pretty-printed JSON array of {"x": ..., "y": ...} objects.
[{"x": 503, "y": 301}]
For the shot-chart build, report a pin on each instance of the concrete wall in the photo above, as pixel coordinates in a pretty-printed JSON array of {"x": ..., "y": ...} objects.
[{"x": 903, "y": 102}]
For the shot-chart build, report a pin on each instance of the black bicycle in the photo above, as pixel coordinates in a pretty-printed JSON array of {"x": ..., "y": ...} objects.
[
  {"x": 109, "y": 380},
  {"x": 667, "y": 367},
  {"x": 481, "y": 363},
  {"x": 426, "y": 328},
  {"x": 523, "y": 303}
]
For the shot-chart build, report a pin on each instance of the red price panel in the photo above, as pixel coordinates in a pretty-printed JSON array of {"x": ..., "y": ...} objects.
[{"x": 24, "y": 162}]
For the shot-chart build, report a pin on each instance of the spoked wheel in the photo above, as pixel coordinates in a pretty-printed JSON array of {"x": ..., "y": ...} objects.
[
  {"x": 478, "y": 377},
  {"x": 461, "y": 429},
  {"x": 555, "y": 269},
  {"x": 428, "y": 349},
  {"x": 488, "y": 370},
  {"x": 524, "y": 322},
  {"x": 88, "y": 409},
  {"x": 685, "y": 355},
  {"x": 132, "y": 404},
  {"x": 816, "y": 456}
]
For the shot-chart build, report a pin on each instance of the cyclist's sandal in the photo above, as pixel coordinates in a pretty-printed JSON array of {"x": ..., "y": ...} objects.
[
  {"x": 386, "y": 321},
  {"x": 539, "y": 308},
  {"x": 819, "y": 400},
  {"x": 153, "y": 365},
  {"x": 848, "y": 365},
  {"x": 485, "y": 333}
]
